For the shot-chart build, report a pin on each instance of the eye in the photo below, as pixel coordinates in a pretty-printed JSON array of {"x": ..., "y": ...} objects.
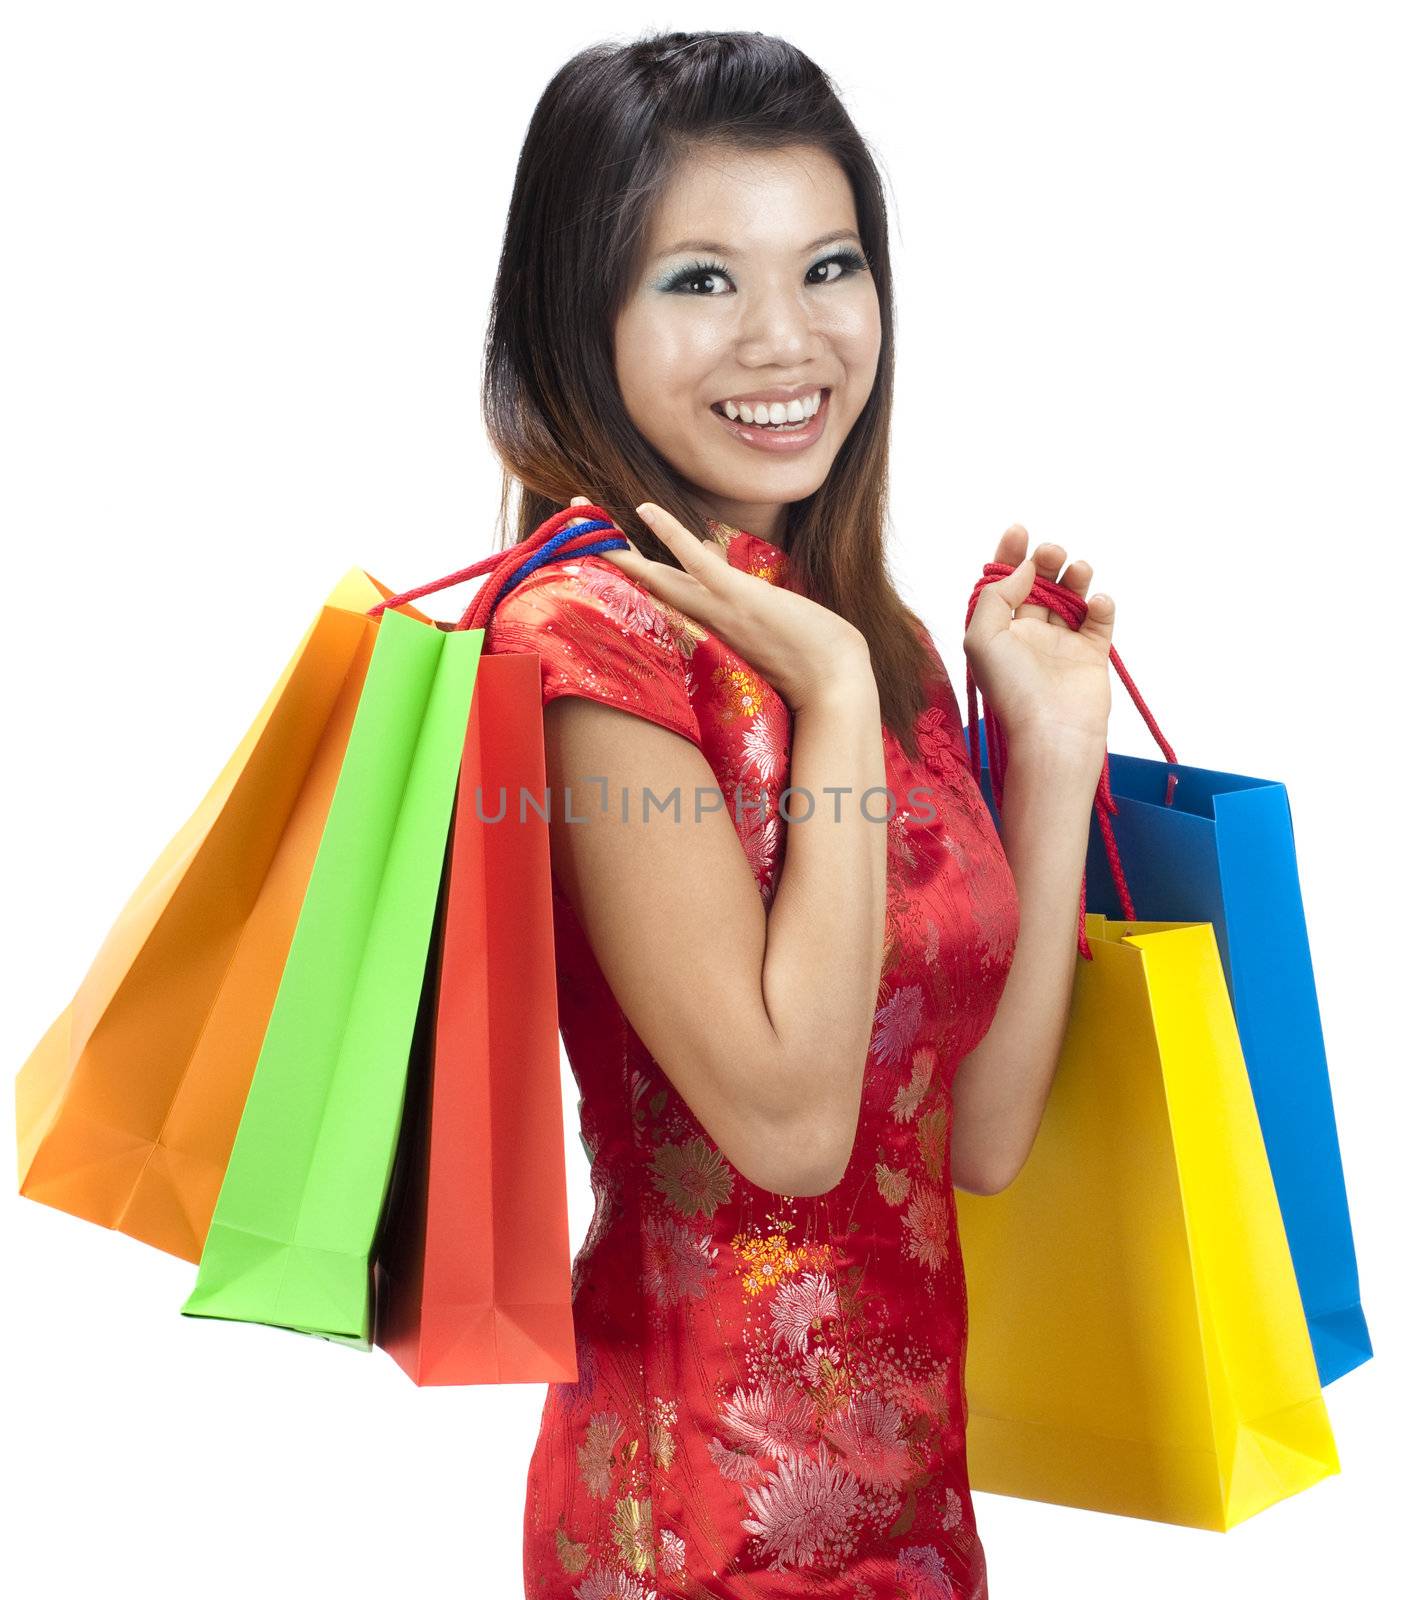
[
  {"x": 850, "y": 260},
  {"x": 697, "y": 272}
]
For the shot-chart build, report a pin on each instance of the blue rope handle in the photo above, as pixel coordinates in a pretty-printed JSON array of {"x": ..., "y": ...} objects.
[{"x": 547, "y": 552}]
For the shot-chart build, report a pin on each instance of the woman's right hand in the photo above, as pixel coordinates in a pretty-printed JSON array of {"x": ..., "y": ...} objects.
[{"x": 800, "y": 647}]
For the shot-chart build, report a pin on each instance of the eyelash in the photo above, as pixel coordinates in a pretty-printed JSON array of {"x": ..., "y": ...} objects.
[{"x": 850, "y": 260}]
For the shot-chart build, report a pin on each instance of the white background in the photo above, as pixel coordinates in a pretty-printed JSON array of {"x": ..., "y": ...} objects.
[{"x": 1148, "y": 284}]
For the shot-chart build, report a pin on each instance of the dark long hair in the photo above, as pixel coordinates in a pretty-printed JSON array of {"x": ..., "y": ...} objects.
[{"x": 603, "y": 143}]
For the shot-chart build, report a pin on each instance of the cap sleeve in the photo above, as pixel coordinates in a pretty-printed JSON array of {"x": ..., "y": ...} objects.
[{"x": 603, "y": 637}]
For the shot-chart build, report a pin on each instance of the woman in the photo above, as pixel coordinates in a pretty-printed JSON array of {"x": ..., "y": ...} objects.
[{"x": 769, "y": 971}]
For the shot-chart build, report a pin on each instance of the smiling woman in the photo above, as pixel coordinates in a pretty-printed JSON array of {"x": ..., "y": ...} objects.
[
  {"x": 807, "y": 314},
  {"x": 681, "y": 236},
  {"x": 702, "y": 337},
  {"x": 764, "y": 1000}
]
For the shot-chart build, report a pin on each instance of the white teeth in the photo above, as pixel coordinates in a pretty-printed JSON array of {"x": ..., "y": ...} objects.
[{"x": 777, "y": 412}]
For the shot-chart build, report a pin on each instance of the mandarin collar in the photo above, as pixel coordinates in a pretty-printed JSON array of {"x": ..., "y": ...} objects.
[{"x": 749, "y": 551}]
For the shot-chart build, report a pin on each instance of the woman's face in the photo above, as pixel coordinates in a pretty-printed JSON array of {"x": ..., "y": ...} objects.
[{"x": 753, "y": 290}]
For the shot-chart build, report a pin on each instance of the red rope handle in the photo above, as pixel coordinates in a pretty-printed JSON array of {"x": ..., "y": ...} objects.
[
  {"x": 503, "y": 563},
  {"x": 1073, "y": 610}
]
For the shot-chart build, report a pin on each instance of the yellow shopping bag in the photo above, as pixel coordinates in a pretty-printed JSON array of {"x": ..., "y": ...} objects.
[{"x": 1137, "y": 1342}]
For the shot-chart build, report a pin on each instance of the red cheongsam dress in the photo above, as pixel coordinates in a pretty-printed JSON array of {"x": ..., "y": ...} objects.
[{"x": 771, "y": 1389}]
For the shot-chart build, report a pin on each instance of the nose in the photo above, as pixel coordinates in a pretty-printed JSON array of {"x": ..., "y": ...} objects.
[{"x": 777, "y": 328}]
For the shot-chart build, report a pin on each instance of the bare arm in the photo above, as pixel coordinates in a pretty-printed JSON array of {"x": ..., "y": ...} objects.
[
  {"x": 761, "y": 1020},
  {"x": 1052, "y": 691},
  {"x": 1001, "y": 1088}
]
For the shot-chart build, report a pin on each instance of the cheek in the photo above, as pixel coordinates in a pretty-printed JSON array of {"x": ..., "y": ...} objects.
[
  {"x": 662, "y": 361},
  {"x": 854, "y": 332}
]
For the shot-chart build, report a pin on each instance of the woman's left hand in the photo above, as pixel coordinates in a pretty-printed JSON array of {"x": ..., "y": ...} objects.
[{"x": 1044, "y": 679}]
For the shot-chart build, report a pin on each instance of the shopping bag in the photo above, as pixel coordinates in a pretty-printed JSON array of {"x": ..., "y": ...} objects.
[
  {"x": 295, "y": 1230},
  {"x": 473, "y": 1271},
  {"x": 1223, "y": 850},
  {"x": 1136, "y": 1340},
  {"x": 290, "y": 1239},
  {"x": 254, "y": 937},
  {"x": 1200, "y": 845},
  {"x": 126, "y": 1110}
]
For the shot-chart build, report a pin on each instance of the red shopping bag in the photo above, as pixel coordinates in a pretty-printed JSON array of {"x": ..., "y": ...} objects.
[
  {"x": 473, "y": 1283},
  {"x": 473, "y": 1270}
]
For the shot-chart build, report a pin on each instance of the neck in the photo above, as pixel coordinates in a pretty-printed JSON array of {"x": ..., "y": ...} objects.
[{"x": 765, "y": 521}]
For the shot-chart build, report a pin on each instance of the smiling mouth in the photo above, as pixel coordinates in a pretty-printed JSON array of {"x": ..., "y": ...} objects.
[
  {"x": 776, "y": 427},
  {"x": 777, "y": 438}
]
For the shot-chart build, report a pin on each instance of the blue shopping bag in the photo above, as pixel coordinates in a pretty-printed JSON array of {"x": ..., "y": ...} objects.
[{"x": 1219, "y": 847}]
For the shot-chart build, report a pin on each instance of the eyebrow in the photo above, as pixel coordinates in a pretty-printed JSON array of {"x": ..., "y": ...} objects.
[{"x": 722, "y": 249}]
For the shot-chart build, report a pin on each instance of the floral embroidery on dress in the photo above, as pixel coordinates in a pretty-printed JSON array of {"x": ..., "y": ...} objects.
[
  {"x": 769, "y": 1398},
  {"x": 695, "y": 1177}
]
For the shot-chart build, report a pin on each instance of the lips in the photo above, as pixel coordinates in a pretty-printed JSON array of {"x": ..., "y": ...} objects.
[
  {"x": 719, "y": 406},
  {"x": 778, "y": 441}
]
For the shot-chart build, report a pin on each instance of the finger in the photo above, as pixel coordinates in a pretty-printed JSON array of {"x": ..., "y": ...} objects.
[
  {"x": 700, "y": 559},
  {"x": 578, "y": 500},
  {"x": 644, "y": 570},
  {"x": 1101, "y": 618},
  {"x": 1076, "y": 578},
  {"x": 1012, "y": 546},
  {"x": 692, "y": 587},
  {"x": 996, "y": 601},
  {"x": 1048, "y": 562}
]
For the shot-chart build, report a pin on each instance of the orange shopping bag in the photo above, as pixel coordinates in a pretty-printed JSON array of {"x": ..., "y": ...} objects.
[{"x": 127, "y": 1108}]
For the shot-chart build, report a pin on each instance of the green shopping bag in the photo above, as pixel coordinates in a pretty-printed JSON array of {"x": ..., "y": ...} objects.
[{"x": 293, "y": 1231}]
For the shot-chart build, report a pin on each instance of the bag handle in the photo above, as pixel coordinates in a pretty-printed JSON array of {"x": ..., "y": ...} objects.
[
  {"x": 1073, "y": 610},
  {"x": 552, "y": 541}
]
